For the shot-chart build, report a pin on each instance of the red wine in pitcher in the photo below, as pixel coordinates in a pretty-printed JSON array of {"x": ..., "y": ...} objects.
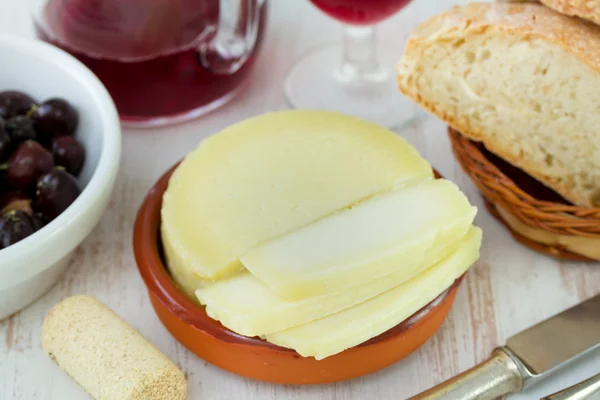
[{"x": 149, "y": 53}]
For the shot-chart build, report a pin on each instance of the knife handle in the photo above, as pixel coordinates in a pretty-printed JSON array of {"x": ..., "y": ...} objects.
[
  {"x": 584, "y": 390},
  {"x": 498, "y": 376}
]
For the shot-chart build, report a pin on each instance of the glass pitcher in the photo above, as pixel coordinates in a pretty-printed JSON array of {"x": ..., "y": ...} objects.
[{"x": 163, "y": 61}]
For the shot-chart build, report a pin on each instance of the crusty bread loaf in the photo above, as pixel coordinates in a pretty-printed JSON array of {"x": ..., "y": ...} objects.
[
  {"x": 586, "y": 9},
  {"x": 521, "y": 78}
]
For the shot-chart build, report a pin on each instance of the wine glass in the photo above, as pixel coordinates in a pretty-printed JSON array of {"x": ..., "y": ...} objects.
[{"x": 354, "y": 78}]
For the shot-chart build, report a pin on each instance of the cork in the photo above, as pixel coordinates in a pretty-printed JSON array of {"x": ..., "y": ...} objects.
[{"x": 106, "y": 356}]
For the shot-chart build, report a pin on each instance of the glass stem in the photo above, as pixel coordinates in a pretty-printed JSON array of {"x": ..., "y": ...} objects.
[{"x": 360, "y": 62}]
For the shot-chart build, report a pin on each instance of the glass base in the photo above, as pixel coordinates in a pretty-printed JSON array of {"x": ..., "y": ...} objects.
[{"x": 318, "y": 82}]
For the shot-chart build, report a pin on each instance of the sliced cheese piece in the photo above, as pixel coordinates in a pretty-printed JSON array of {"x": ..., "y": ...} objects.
[
  {"x": 356, "y": 245},
  {"x": 335, "y": 333},
  {"x": 185, "y": 278},
  {"x": 272, "y": 174},
  {"x": 245, "y": 305}
]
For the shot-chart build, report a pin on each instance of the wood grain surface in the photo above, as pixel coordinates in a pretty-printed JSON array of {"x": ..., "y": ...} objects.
[{"x": 508, "y": 290}]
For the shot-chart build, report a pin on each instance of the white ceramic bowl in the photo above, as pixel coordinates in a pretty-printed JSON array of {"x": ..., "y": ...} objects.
[{"x": 30, "y": 267}]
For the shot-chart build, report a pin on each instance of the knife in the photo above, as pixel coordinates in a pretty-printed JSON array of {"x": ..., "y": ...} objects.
[
  {"x": 586, "y": 390},
  {"x": 528, "y": 357}
]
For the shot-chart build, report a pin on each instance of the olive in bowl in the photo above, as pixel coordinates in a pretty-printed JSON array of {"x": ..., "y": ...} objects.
[
  {"x": 38, "y": 183},
  {"x": 32, "y": 264}
]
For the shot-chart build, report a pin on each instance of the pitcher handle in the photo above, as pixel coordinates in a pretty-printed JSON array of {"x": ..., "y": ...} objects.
[{"x": 235, "y": 38}]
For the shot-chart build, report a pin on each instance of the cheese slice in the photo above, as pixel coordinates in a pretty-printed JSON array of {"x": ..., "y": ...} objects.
[
  {"x": 272, "y": 174},
  {"x": 370, "y": 240},
  {"x": 335, "y": 333},
  {"x": 245, "y": 305},
  {"x": 184, "y": 277}
]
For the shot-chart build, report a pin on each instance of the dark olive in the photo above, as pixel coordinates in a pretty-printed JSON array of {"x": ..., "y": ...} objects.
[
  {"x": 5, "y": 145},
  {"x": 13, "y": 103},
  {"x": 15, "y": 226},
  {"x": 68, "y": 153},
  {"x": 38, "y": 221},
  {"x": 20, "y": 129},
  {"x": 15, "y": 201},
  {"x": 54, "y": 117},
  {"x": 29, "y": 161},
  {"x": 55, "y": 191}
]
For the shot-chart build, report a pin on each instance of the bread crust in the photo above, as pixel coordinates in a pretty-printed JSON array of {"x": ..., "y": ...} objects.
[
  {"x": 586, "y": 9},
  {"x": 521, "y": 19},
  {"x": 526, "y": 20}
]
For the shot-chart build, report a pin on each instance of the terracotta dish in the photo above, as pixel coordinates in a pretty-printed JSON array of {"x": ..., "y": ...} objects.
[
  {"x": 534, "y": 214},
  {"x": 255, "y": 358}
]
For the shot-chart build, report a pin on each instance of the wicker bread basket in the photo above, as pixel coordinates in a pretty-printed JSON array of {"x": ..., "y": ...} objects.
[{"x": 553, "y": 227}]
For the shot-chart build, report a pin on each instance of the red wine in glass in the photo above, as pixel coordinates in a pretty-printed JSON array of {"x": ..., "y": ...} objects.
[
  {"x": 146, "y": 53},
  {"x": 360, "y": 12},
  {"x": 355, "y": 78}
]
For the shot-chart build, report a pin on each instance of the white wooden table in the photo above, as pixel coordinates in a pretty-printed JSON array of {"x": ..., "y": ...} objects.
[{"x": 509, "y": 289}]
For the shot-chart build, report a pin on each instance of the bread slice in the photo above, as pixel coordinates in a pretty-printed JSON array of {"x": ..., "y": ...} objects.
[
  {"x": 586, "y": 9},
  {"x": 521, "y": 78}
]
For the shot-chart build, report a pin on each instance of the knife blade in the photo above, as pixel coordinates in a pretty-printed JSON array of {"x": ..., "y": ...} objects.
[
  {"x": 528, "y": 357},
  {"x": 560, "y": 338},
  {"x": 586, "y": 390}
]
